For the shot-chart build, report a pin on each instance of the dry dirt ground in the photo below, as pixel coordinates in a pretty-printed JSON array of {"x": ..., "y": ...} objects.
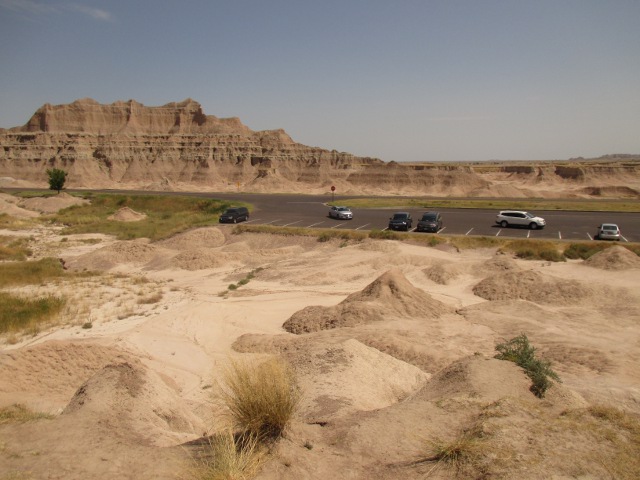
[{"x": 392, "y": 345}]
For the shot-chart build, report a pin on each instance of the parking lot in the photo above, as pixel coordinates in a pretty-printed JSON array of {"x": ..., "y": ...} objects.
[{"x": 561, "y": 225}]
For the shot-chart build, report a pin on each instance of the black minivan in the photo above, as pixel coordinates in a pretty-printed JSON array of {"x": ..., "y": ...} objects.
[{"x": 235, "y": 215}]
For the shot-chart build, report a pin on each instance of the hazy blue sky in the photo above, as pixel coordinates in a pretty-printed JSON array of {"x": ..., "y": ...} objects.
[{"x": 404, "y": 80}]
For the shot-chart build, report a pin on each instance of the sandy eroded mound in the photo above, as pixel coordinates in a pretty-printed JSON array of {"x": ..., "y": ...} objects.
[
  {"x": 135, "y": 251},
  {"x": 136, "y": 403},
  {"x": 614, "y": 258},
  {"x": 9, "y": 205},
  {"x": 348, "y": 377},
  {"x": 53, "y": 203},
  {"x": 126, "y": 214},
  {"x": 47, "y": 375},
  {"x": 532, "y": 286},
  {"x": 389, "y": 295},
  {"x": 208, "y": 237}
]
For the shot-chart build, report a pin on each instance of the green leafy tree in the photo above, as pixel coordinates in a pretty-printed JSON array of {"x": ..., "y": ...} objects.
[{"x": 57, "y": 178}]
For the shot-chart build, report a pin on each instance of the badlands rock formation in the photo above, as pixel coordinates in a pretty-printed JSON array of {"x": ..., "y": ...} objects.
[{"x": 177, "y": 147}]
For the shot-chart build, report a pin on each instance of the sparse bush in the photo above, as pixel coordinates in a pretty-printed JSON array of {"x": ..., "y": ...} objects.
[
  {"x": 522, "y": 353},
  {"x": 232, "y": 286},
  {"x": 155, "y": 298},
  {"x": 261, "y": 398}
]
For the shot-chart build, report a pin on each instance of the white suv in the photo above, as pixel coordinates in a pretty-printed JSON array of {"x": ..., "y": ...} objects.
[{"x": 517, "y": 218}]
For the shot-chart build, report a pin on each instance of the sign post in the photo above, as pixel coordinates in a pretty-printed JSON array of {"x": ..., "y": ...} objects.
[{"x": 333, "y": 189}]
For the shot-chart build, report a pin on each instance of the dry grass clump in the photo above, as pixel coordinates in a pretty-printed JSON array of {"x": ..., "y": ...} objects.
[
  {"x": 617, "y": 432},
  {"x": 154, "y": 298},
  {"x": 18, "y": 413},
  {"x": 261, "y": 398},
  {"x": 469, "y": 242},
  {"x": 464, "y": 453},
  {"x": 230, "y": 457}
]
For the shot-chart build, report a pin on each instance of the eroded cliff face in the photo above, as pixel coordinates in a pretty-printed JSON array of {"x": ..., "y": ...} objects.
[{"x": 178, "y": 147}]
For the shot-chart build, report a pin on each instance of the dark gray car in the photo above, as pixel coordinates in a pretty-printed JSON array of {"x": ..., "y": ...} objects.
[
  {"x": 400, "y": 221},
  {"x": 430, "y": 222},
  {"x": 235, "y": 215}
]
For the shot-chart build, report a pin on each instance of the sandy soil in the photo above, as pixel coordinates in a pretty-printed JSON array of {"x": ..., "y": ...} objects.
[{"x": 392, "y": 345}]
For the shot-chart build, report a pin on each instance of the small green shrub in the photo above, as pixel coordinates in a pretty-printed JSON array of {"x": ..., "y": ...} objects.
[{"x": 519, "y": 351}]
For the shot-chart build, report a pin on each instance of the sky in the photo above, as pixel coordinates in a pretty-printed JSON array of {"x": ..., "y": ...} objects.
[{"x": 403, "y": 80}]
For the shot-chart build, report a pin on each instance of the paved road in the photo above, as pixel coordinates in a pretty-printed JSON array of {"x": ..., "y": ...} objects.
[{"x": 312, "y": 212}]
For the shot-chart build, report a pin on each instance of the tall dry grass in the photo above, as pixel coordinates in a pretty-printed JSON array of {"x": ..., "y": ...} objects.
[
  {"x": 229, "y": 457},
  {"x": 261, "y": 398}
]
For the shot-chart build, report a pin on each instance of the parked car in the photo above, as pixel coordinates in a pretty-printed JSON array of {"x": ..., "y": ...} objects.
[
  {"x": 607, "y": 231},
  {"x": 342, "y": 213},
  {"x": 400, "y": 221},
  {"x": 430, "y": 222},
  {"x": 517, "y": 218},
  {"x": 235, "y": 215}
]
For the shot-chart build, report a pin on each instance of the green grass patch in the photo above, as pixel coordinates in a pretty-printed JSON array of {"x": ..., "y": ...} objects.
[
  {"x": 532, "y": 204},
  {"x": 18, "y": 314},
  {"x": 30, "y": 272},
  {"x": 12, "y": 248},
  {"x": 12, "y": 223},
  {"x": 535, "y": 250},
  {"x": 519, "y": 351},
  {"x": 166, "y": 215}
]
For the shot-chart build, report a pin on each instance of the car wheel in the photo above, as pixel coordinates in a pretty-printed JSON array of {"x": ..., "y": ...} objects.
[
  {"x": 596, "y": 237},
  {"x": 533, "y": 226},
  {"x": 504, "y": 224},
  {"x": 235, "y": 220}
]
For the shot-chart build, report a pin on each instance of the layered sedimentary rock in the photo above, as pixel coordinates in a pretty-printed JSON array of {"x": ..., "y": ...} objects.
[{"x": 176, "y": 146}]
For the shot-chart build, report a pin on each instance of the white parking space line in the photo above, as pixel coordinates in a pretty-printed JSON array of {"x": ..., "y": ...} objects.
[
  {"x": 624, "y": 239},
  {"x": 528, "y": 233},
  {"x": 337, "y": 226},
  {"x": 314, "y": 224},
  {"x": 560, "y": 235},
  {"x": 292, "y": 223},
  {"x": 366, "y": 224},
  {"x": 498, "y": 234},
  {"x": 469, "y": 232},
  {"x": 442, "y": 229},
  {"x": 272, "y": 221},
  {"x": 588, "y": 235}
]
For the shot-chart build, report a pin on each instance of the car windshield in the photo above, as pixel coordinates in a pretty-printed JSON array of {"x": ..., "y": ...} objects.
[
  {"x": 530, "y": 215},
  {"x": 400, "y": 216},
  {"x": 231, "y": 210},
  {"x": 429, "y": 217},
  {"x": 609, "y": 227},
  {"x": 343, "y": 209}
]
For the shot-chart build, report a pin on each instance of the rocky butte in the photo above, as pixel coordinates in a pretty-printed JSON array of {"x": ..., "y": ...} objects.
[{"x": 176, "y": 146}]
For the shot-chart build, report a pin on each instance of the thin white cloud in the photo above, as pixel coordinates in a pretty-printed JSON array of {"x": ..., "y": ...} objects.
[
  {"x": 28, "y": 6},
  {"x": 96, "y": 13},
  {"x": 41, "y": 8}
]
